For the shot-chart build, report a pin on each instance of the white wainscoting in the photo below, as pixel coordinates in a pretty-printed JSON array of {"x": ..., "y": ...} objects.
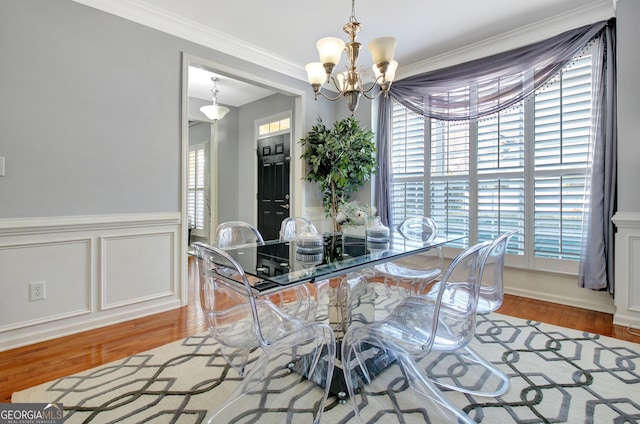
[
  {"x": 627, "y": 268},
  {"x": 97, "y": 270}
]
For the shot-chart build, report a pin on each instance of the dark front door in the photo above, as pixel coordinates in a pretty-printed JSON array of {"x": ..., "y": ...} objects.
[{"x": 274, "y": 162}]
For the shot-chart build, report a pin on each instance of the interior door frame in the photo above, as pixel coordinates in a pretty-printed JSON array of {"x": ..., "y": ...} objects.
[{"x": 297, "y": 165}]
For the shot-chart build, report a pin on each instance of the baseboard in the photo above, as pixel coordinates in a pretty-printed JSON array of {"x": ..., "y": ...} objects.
[
  {"x": 62, "y": 329},
  {"x": 562, "y": 300}
]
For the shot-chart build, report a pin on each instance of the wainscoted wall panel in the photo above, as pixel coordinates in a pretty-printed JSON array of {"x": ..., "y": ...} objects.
[
  {"x": 136, "y": 268},
  {"x": 627, "y": 264},
  {"x": 98, "y": 270},
  {"x": 64, "y": 268},
  {"x": 634, "y": 272}
]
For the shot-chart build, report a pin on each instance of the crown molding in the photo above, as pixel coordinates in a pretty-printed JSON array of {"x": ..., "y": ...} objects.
[
  {"x": 595, "y": 11},
  {"x": 170, "y": 23},
  {"x": 140, "y": 12}
]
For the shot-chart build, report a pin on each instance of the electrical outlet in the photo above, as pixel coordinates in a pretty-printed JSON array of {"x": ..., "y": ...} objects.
[{"x": 37, "y": 290}]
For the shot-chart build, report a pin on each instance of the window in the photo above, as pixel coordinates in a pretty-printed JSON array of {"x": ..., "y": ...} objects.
[
  {"x": 274, "y": 126},
  {"x": 196, "y": 184},
  {"x": 524, "y": 169}
]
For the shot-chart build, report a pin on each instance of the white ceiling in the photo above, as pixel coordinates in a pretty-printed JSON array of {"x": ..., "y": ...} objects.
[
  {"x": 281, "y": 34},
  {"x": 231, "y": 92}
]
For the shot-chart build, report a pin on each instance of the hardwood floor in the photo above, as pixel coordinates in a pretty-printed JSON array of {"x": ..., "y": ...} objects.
[{"x": 28, "y": 366}]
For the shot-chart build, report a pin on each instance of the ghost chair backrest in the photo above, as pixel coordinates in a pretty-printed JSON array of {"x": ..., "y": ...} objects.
[
  {"x": 225, "y": 294},
  {"x": 418, "y": 228},
  {"x": 294, "y": 226},
  {"x": 492, "y": 289},
  {"x": 237, "y": 233},
  {"x": 458, "y": 298}
]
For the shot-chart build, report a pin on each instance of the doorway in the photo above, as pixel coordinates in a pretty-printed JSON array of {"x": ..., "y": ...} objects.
[
  {"x": 234, "y": 194},
  {"x": 273, "y": 148},
  {"x": 274, "y": 155}
]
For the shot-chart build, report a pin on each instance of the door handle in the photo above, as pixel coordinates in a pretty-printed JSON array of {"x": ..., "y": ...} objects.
[{"x": 285, "y": 206}]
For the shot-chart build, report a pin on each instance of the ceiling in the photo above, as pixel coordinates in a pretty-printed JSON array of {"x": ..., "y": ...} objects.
[
  {"x": 231, "y": 92},
  {"x": 281, "y": 34}
]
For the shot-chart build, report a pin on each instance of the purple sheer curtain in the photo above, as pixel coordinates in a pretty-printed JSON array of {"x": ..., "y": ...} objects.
[
  {"x": 596, "y": 263},
  {"x": 498, "y": 81},
  {"x": 382, "y": 189},
  {"x": 486, "y": 86}
]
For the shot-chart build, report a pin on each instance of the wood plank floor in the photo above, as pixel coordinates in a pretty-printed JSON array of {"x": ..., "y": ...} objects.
[{"x": 28, "y": 366}]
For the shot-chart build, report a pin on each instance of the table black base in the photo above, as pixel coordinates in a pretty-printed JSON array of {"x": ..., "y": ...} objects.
[{"x": 375, "y": 365}]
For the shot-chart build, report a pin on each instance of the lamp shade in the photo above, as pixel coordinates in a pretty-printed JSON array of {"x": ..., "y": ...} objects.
[
  {"x": 315, "y": 73},
  {"x": 214, "y": 112},
  {"x": 390, "y": 75},
  {"x": 382, "y": 48},
  {"x": 330, "y": 50}
]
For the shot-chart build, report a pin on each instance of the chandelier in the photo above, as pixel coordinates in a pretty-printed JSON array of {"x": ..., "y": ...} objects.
[
  {"x": 350, "y": 82},
  {"x": 214, "y": 112}
]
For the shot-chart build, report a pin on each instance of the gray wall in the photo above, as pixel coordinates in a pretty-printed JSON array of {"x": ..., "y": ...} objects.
[
  {"x": 199, "y": 133},
  {"x": 91, "y": 116},
  {"x": 227, "y": 166},
  {"x": 628, "y": 31},
  {"x": 91, "y": 120}
]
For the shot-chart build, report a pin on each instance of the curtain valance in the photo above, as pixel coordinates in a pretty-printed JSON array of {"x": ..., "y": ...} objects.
[{"x": 485, "y": 86}]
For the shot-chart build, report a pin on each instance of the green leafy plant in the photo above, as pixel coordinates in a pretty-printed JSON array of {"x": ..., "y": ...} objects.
[{"x": 341, "y": 159}]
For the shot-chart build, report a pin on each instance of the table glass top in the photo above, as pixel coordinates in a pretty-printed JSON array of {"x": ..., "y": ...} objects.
[{"x": 277, "y": 264}]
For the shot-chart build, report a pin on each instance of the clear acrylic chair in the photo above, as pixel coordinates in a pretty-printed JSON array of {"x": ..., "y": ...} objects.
[
  {"x": 237, "y": 233},
  {"x": 414, "y": 273},
  {"x": 296, "y": 356},
  {"x": 292, "y": 226},
  {"x": 294, "y": 301},
  {"x": 318, "y": 291},
  {"x": 492, "y": 290},
  {"x": 379, "y": 357},
  {"x": 480, "y": 377}
]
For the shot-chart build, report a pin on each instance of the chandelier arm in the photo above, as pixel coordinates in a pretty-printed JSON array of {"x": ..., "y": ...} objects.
[
  {"x": 335, "y": 83},
  {"x": 327, "y": 97},
  {"x": 365, "y": 94},
  {"x": 364, "y": 91},
  {"x": 378, "y": 81}
]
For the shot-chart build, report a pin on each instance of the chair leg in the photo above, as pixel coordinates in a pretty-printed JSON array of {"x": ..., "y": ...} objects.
[
  {"x": 237, "y": 358},
  {"x": 430, "y": 391},
  {"x": 465, "y": 371},
  {"x": 276, "y": 388},
  {"x": 399, "y": 388}
]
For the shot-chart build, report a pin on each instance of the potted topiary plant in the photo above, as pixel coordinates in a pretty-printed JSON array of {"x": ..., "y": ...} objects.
[{"x": 341, "y": 159}]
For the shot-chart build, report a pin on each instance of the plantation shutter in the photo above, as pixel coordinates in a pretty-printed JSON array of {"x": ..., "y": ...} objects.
[
  {"x": 407, "y": 164},
  {"x": 501, "y": 181},
  {"x": 196, "y": 187},
  {"x": 450, "y": 177},
  {"x": 562, "y": 130}
]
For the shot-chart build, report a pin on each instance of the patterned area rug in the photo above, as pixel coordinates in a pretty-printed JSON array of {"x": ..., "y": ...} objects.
[{"x": 557, "y": 375}]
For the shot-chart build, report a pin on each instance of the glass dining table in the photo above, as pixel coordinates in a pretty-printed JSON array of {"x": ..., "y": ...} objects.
[{"x": 275, "y": 265}]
